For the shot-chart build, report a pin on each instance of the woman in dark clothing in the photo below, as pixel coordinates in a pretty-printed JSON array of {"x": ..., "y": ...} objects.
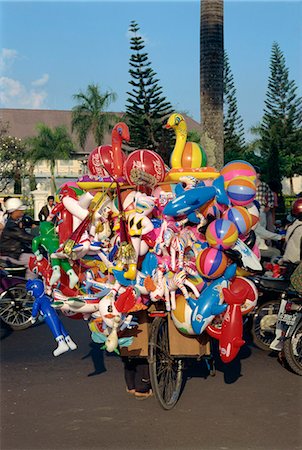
[{"x": 136, "y": 372}]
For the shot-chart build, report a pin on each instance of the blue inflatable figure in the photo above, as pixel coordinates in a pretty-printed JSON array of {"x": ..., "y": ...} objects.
[{"x": 42, "y": 304}]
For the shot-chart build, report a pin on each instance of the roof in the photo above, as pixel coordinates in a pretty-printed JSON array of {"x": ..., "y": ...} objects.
[{"x": 22, "y": 124}]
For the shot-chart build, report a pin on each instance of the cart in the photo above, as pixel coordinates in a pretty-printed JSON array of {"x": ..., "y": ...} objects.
[{"x": 167, "y": 350}]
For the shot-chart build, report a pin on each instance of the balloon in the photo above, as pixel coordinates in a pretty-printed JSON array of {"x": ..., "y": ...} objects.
[
  {"x": 146, "y": 161},
  {"x": 42, "y": 304},
  {"x": 211, "y": 263},
  {"x": 240, "y": 216},
  {"x": 100, "y": 159},
  {"x": 181, "y": 316},
  {"x": 241, "y": 191},
  {"x": 221, "y": 234},
  {"x": 238, "y": 168}
]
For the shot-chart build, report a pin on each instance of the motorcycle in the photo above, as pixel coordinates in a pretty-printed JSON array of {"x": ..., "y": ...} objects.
[
  {"x": 288, "y": 338},
  {"x": 15, "y": 303},
  {"x": 264, "y": 317}
]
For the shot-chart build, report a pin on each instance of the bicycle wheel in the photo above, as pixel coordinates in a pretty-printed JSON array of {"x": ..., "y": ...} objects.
[
  {"x": 293, "y": 350},
  {"x": 264, "y": 324},
  {"x": 16, "y": 307},
  {"x": 166, "y": 372}
]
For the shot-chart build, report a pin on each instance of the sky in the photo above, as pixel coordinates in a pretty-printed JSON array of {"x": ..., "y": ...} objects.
[{"x": 50, "y": 50}]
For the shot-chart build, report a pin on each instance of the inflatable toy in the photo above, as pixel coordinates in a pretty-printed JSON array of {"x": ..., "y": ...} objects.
[
  {"x": 126, "y": 236},
  {"x": 181, "y": 316},
  {"x": 145, "y": 161},
  {"x": 238, "y": 168},
  {"x": 188, "y": 158},
  {"x": 241, "y": 217},
  {"x": 187, "y": 202},
  {"x": 108, "y": 160},
  {"x": 42, "y": 305},
  {"x": 210, "y": 302},
  {"x": 241, "y": 191},
  {"x": 230, "y": 334},
  {"x": 221, "y": 234},
  {"x": 211, "y": 263}
]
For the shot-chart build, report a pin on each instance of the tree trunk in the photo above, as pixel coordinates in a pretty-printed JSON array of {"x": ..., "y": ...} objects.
[
  {"x": 291, "y": 183},
  {"x": 32, "y": 178},
  {"x": 211, "y": 75}
]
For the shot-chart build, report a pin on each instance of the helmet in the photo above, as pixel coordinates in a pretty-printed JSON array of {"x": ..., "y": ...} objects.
[
  {"x": 297, "y": 208},
  {"x": 14, "y": 204}
]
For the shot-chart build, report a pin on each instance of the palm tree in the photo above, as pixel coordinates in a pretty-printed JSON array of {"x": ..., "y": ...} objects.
[
  {"x": 211, "y": 75},
  {"x": 89, "y": 114},
  {"x": 50, "y": 145}
]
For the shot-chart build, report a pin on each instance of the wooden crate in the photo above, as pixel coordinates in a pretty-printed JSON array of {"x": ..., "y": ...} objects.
[{"x": 180, "y": 345}]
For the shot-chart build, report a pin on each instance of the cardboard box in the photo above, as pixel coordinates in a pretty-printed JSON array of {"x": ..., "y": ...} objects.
[{"x": 180, "y": 345}]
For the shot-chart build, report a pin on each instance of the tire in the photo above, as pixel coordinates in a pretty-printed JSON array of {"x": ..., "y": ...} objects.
[
  {"x": 166, "y": 372},
  {"x": 16, "y": 307},
  {"x": 264, "y": 324},
  {"x": 293, "y": 350}
]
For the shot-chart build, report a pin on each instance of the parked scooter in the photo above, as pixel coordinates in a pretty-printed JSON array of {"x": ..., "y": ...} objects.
[
  {"x": 15, "y": 303},
  {"x": 265, "y": 315},
  {"x": 288, "y": 337}
]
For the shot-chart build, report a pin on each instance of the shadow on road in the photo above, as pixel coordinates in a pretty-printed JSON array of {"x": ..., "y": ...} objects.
[{"x": 97, "y": 356}]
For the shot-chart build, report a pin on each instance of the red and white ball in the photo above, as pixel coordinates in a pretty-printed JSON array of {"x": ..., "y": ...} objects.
[
  {"x": 146, "y": 161},
  {"x": 100, "y": 159}
]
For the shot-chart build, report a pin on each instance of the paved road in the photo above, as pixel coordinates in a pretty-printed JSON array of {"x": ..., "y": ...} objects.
[{"x": 78, "y": 401}]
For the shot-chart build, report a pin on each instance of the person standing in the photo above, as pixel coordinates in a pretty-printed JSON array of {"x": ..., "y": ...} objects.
[
  {"x": 265, "y": 197},
  {"x": 46, "y": 209}
]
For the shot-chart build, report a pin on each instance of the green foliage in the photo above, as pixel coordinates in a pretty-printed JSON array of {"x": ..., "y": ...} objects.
[
  {"x": 90, "y": 114},
  {"x": 146, "y": 110},
  {"x": 234, "y": 142},
  {"x": 12, "y": 159},
  {"x": 194, "y": 136},
  {"x": 50, "y": 145},
  {"x": 280, "y": 130}
]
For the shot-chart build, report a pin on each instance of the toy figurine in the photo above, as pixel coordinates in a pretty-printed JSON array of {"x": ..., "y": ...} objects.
[
  {"x": 42, "y": 304},
  {"x": 49, "y": 240}
]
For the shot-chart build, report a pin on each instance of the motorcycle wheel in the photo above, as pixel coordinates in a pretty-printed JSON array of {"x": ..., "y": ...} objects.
[
  {"x": 264, "y": 324},
  {"x": 16, "y": 307},
  {"x": 293, "y": 350}
]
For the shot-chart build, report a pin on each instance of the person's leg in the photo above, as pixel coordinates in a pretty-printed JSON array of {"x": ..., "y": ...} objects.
[
  {"x": 129, "y": 374},
  {"x": 142, "y": 377}
]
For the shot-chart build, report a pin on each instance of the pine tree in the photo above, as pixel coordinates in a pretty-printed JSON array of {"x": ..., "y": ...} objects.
[
  {"x": 234, "y": 142},
  {"x": 280, "y": 130},
  {"x": 147, "y": 109}
]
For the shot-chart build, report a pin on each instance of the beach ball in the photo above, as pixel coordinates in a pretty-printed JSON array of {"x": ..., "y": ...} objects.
[
  {"x": 210, "y": 209},
  {"x": 240, "y": 284},
  {"x": 100, "y": 159},
  {"x": 221, "y": 234},
  {"x": 238, "y": 168},
  {"x": 254, "y": 213},
  {"x": 240, "y": 216},
  {"x": 146, "y": 161},
  {"x": 241, "y": 191},
  {"x": 211, "y": 263},
  {"x": 193, "y": 156},
  {"x": 181, "y": 316}
]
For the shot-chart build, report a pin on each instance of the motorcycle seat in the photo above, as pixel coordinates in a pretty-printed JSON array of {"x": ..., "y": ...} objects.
[{"x": 274, "y": 284}]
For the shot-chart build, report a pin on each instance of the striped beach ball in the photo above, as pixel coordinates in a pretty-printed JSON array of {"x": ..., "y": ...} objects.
[
  {"x": 221, "y": 234},
  {"x": 193, "y": 156},
  {"x": 238, "y": 168},
  {"x": 240, "y": 216},
  {"x": 181, "y": 316},
  {"x": 211, "y": 263},
  {"x": 241, "y": 191},
  {"x": 254, "y": 213}
]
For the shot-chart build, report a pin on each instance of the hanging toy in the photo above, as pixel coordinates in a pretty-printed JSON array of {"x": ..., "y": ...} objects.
[{"x": 42, "y": 304}]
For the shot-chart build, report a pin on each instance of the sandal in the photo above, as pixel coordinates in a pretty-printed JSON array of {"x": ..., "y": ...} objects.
[
  {"x": 130, "y": 391},
  {"x": 143, "y": 395}
]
